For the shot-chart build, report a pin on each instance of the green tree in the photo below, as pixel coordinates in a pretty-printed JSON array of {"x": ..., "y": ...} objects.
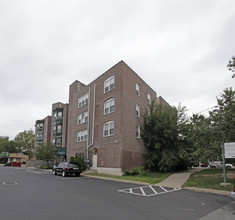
[
  {"x": 9, "y": 146},
  {"x": 231, "y": 66},
  {"x": 165, "y": 134},
  {"x": 46, "y": 153},
  {"x": 25, "y": 142},
  {"x": 223, "y": 117},
  {"x": 207, "y": 133}
]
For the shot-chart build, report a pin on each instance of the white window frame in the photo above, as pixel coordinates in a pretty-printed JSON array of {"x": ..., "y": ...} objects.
[
  {"x": 137, "y": 131},
  {"x": 109, "y": 84},
  {"x": 108, "y": 129},
  {"x": 82, "y": 136},
  {"x": 149, "y": 99},
  {"x": 82, "y": 118},
  {"x": 109, "y": 106},
  {"x": 137, "y": 108},
  {"x": 137, "y": 87},
  {"x": 83, "y": 100}
]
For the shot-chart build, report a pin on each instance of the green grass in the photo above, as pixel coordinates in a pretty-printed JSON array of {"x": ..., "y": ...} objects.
[
  {"x": 211, "y": 179},
  {"x": 151, "y": 178}
]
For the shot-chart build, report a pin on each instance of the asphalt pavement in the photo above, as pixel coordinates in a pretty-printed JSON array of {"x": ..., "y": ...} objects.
[{"x": 32, "y": 194}]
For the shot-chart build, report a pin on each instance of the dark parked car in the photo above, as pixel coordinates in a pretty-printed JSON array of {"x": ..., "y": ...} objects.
[{"x": 67, "y": 168}]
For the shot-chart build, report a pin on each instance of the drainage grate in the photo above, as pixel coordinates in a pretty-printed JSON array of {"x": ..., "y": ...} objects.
[{"x": 10, "y": 183}]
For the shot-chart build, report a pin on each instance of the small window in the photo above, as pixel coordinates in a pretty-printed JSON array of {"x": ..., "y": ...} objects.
[
  {"x": 137, "y": 131},
  {"x": 82, "y": 118},
  {"x": 149, "y": 99},
  {"x": 137, "y": 89},
  {"x": 83, "y": 100},
  {"x": 109, "y": 84},
  {"x": 59, "y": 128},
  {"x": 82, "y": 136},
  {"x": 108, "y": 129},
  {"x": 109, "y": 106},
  {"x": 58, "y": 142},
  {"x": 137, "y": 110},
  {"x": 60, "y": 114}
]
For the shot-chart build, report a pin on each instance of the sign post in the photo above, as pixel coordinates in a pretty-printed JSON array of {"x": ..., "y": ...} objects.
[{"x": 224, "y": 169}]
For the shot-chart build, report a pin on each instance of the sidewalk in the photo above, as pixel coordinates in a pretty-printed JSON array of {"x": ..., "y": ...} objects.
[{"x": 177, "y": 180}]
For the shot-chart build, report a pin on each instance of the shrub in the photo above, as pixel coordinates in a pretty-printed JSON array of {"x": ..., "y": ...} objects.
[
  {"x": 136, "y": 171},
  {"x": 78, "y": 159}
]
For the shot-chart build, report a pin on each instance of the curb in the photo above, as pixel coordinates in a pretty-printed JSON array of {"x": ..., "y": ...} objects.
[{"x": 204, "y": 190}]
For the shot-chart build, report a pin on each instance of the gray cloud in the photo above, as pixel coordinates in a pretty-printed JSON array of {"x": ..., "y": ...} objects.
[{"x": 179, "y": 47}]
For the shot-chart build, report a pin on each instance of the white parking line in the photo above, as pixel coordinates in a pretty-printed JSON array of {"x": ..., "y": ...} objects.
[{"x": 148, "y": 190}]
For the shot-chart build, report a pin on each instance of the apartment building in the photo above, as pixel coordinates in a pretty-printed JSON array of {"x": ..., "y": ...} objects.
[
  {"x": 43, "y": 131},
  {"x": 59, "y": 129},
  {"x": 105, "y": 119}
]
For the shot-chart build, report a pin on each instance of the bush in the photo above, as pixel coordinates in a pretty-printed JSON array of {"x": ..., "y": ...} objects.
[
  {"x": 80, "y": 160},
  {"x": 46, "y": 167},
  {"x": 136, "y": 171}
]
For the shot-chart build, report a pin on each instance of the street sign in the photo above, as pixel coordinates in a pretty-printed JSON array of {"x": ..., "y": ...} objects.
[
  {"x": 4, "y": 154},
  {"x": 229, "y": 150}
]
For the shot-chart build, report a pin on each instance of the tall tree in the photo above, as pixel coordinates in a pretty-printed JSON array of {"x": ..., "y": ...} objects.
[
  {"x": 165, "y": 136},
  {"x": 25, "y": 141},
  {"x": 223, "y": 117}
]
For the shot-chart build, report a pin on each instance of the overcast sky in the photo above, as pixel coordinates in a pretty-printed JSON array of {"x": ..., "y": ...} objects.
[{"x": 179, "y": 47}]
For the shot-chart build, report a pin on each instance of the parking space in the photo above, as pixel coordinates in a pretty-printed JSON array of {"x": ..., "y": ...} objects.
[{"x": 149, "y": 190}]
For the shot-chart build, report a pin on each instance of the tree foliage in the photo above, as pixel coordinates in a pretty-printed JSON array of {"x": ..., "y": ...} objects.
[
  {"x": 209, "y": 132},
  {"x": 165, "y": 135},
  {"x": 25, "y": 142},
  {"x": 46, "y": 153},
  {"x": 231, "y": 66}
]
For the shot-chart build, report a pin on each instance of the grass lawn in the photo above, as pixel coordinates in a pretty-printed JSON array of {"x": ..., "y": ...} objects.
[
  {"x": 211, "y": 179},
  {"x": 151, "y": 178}
]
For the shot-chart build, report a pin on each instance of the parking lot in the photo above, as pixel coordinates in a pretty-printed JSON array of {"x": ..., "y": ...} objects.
[{"x": 41, "y": 195}]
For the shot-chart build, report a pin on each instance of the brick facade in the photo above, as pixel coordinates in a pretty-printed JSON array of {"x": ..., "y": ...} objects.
[{"x": 121, "y": 150}]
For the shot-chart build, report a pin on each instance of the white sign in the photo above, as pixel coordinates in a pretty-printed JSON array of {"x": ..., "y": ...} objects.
[{"x": 229, "y": 150}]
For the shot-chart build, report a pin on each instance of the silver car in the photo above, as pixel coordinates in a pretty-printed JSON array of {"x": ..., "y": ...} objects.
[{"x": 219, "y": 164}]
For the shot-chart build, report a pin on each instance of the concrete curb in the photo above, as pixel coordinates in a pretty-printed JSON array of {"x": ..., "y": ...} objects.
[
  {"x": 117, "y": 180},
  {"x": 204, "y": 190}
]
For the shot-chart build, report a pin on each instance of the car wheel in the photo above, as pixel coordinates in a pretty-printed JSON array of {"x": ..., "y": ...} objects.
[
  {"x": 229, "y": 167},
  {"x": 63, "y": 174},
  {"x": 77, "y": 174},
  {"x": 213, "y": 167},
  {"x": 54, "y": 173}
]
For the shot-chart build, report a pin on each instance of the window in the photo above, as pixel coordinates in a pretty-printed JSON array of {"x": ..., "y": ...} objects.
[
  {"x": 82, "y": 136},
  {"x": 82, "y": 118},
  {"x": 149, "y": 99},
  {"x": 109, "y": 106},
  {"x": 137, "y": 110},
  {"x": 40, "y": 125},
  {"x": 109, "y": 84},
  {"x": 108, "y": 129},
  {"x": 58, "y": 142},
  {"x": 137, "y": 131},
  {"x": 59, "y": 128},
  {"x": 137, "y": 89},
  {"x": 83, "y": 100},
  {"x": 59, "y": 114}
]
